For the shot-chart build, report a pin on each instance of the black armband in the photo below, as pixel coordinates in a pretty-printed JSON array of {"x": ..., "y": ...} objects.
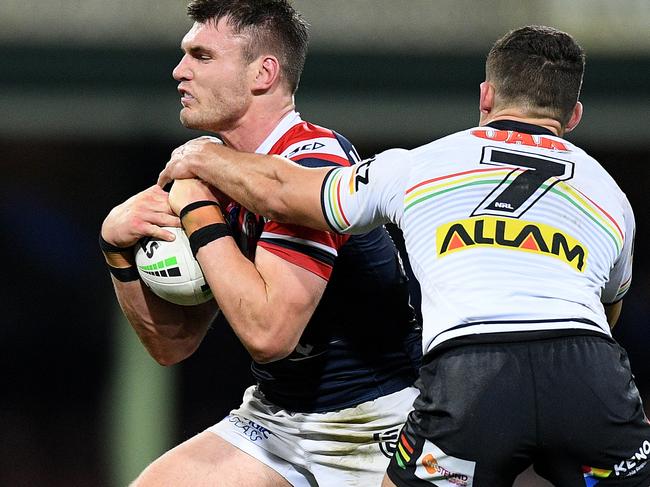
[
  {"x": 207, "y": 234},
  {"x": 197, "y": 204},
  {"x": 119, "y": 255},
  {"x": 110, "y": 248},
  {"x": 124, "y": 274}
]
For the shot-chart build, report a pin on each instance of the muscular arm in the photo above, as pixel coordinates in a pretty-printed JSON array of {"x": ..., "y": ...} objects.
[
  {"x": 272, "y": 186},
  {"x": 267, "y": 302},
  {"x": 170, "y": 333}
]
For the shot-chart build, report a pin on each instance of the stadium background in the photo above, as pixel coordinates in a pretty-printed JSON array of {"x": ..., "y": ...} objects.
[{"x": 89, "y": 114}]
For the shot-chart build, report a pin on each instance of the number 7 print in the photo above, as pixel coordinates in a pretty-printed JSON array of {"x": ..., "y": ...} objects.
[{"x": 531, "y": 177}]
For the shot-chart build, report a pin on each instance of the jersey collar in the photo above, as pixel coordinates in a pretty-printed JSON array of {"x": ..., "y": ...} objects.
[
  {"x": 525, "y": 128},
  {"x": 289, "y": 120}
]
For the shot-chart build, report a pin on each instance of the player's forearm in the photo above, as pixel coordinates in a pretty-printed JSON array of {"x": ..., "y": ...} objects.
[
  {"x": 261, "y": 318},
  {"x": 250, "y": 179},
  {"x": 272, "y": 186},
  {"x": 169, "y": 332}
]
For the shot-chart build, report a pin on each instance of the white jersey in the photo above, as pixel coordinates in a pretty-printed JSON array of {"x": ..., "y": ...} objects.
[{"x": 508, "y": 227}]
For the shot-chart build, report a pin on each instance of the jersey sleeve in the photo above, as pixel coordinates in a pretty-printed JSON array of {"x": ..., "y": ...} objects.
[
  {"x": 314, "y": 250},
  {"x": 358, "y": 198},
  {"x": 620, "y": 277}
]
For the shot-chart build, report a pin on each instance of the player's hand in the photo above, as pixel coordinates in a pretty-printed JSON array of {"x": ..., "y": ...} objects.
[
  {"x": 141, "y": 215},
  {"x": 186, "y": 191},
  {"x": 187, "y": 158}
]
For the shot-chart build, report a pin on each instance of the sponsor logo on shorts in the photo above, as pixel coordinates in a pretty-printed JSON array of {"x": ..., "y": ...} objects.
[
  {"x": 635, "y": 463},
  {"x": 594, "y": 475},
  {"x": 511, "y": 234},
  {"x": 433, "y": 465},
  {"x": 387, "y": 441},
  {"x": 250, "y": 429}
]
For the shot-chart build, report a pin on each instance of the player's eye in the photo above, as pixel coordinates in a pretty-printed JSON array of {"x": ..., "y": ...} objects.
[{"x": 201, "y": 55}]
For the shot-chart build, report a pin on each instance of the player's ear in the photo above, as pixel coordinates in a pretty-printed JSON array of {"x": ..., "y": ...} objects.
[
  {"x": 576, "y": 116},
  {"x": 266, "y": 74},
  {"x": 486, "y": 98}
]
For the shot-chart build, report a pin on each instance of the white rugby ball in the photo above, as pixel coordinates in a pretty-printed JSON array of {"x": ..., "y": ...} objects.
[{"x": 170, "y": 270}]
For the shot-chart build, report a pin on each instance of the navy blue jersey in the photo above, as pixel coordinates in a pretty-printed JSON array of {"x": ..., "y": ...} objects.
[{"x": 362, "y": 341}]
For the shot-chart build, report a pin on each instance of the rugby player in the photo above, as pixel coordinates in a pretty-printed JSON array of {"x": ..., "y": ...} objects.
[
  {"x": 523, "y": 245},
  {"x": 325, "y": 317}
]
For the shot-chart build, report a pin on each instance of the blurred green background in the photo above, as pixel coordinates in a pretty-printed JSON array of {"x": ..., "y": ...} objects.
[{"x": 89, "y": 115}]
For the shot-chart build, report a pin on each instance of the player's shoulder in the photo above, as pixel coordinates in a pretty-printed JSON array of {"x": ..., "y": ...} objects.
[
  {"x": 313, "y": 145},
  {"x": 591, "y": 168}
]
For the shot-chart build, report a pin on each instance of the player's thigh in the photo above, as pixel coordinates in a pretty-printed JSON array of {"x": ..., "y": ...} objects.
[
  {"x": 387, "y": 482},
  {"x": 587, "y": 393},
  {"x": 468, "y": 397},
  {"x": 208, "y": 460}
]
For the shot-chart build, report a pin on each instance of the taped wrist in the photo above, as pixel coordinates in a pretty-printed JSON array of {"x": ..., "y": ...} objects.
[
  {"x": 197, "y": 204},
  {"x": 119, "y": 260},
  {"x": 203, "y": 223},
  {"x": 207, "y": 234},
  {"x": 200, "y": 214}
]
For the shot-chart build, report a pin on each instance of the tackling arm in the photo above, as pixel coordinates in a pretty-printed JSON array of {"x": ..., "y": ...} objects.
[{"x": 272, "y": 186}]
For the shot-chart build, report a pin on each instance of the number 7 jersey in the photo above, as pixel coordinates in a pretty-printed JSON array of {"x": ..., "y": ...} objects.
[{"x": 508, "y": 227}]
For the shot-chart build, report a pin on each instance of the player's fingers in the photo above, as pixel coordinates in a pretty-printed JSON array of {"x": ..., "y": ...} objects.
[
  {"x": 160, "y": 233},
  {"x": 157, "y": 192},
  {"x": 164, "y": 178},
  {"x": 167, "y": 220}
]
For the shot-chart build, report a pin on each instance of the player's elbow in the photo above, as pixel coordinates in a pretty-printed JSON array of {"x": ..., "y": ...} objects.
[
  {"x": 167, "y": 353},
  {"x": 270, "y": 349},
  {"x": 167, "y": 359},
  {"x": 272, "y": 353}
]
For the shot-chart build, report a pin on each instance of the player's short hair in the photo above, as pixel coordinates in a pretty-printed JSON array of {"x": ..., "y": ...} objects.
[
  {"x": 539, "y": 69},
  {"x": 273, "y": 26}
]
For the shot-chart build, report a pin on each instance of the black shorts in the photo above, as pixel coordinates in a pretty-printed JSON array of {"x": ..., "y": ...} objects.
[{"x": 486, "y": 412}]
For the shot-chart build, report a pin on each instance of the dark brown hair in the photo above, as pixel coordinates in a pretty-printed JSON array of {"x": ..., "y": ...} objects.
[
  {"x": 273, "y": 26},
  {"x": 539, "y": 69}
]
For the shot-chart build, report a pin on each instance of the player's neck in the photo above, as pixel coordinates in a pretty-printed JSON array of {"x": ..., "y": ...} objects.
[
  {"x": 255, "y": 126},
  {"x": 548, "y": 123}
]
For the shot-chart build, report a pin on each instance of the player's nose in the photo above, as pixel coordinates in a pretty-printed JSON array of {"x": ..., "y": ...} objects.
[{"x": 182, "y": 71}]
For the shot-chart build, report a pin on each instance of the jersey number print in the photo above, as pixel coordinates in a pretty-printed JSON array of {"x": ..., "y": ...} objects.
[{"x": 531, "y": 177}]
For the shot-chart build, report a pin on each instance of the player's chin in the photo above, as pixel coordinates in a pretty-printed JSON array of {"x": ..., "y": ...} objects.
[{"x": 188, "y": 121}]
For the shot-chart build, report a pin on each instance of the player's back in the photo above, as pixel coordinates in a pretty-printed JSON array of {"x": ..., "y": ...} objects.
[{"x": 526, "y": 227}]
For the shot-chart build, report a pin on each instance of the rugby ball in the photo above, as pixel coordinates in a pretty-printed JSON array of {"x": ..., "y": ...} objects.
[{"x": 170, "y": 270}]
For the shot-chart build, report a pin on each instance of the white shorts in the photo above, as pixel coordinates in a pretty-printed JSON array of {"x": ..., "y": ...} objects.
[{"x": 350, "y": 447}]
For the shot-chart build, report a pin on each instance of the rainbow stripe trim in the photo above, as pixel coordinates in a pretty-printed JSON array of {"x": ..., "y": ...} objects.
[
  {"x": 332, "y": 194},
  {"x": 623, "y": 288},
  {"x": 439, "y": 186},
  {"x": 403, "y": 452}
]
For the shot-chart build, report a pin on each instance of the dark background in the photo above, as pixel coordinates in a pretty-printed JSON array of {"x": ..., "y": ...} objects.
[{"x": 60, "y": 341}]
